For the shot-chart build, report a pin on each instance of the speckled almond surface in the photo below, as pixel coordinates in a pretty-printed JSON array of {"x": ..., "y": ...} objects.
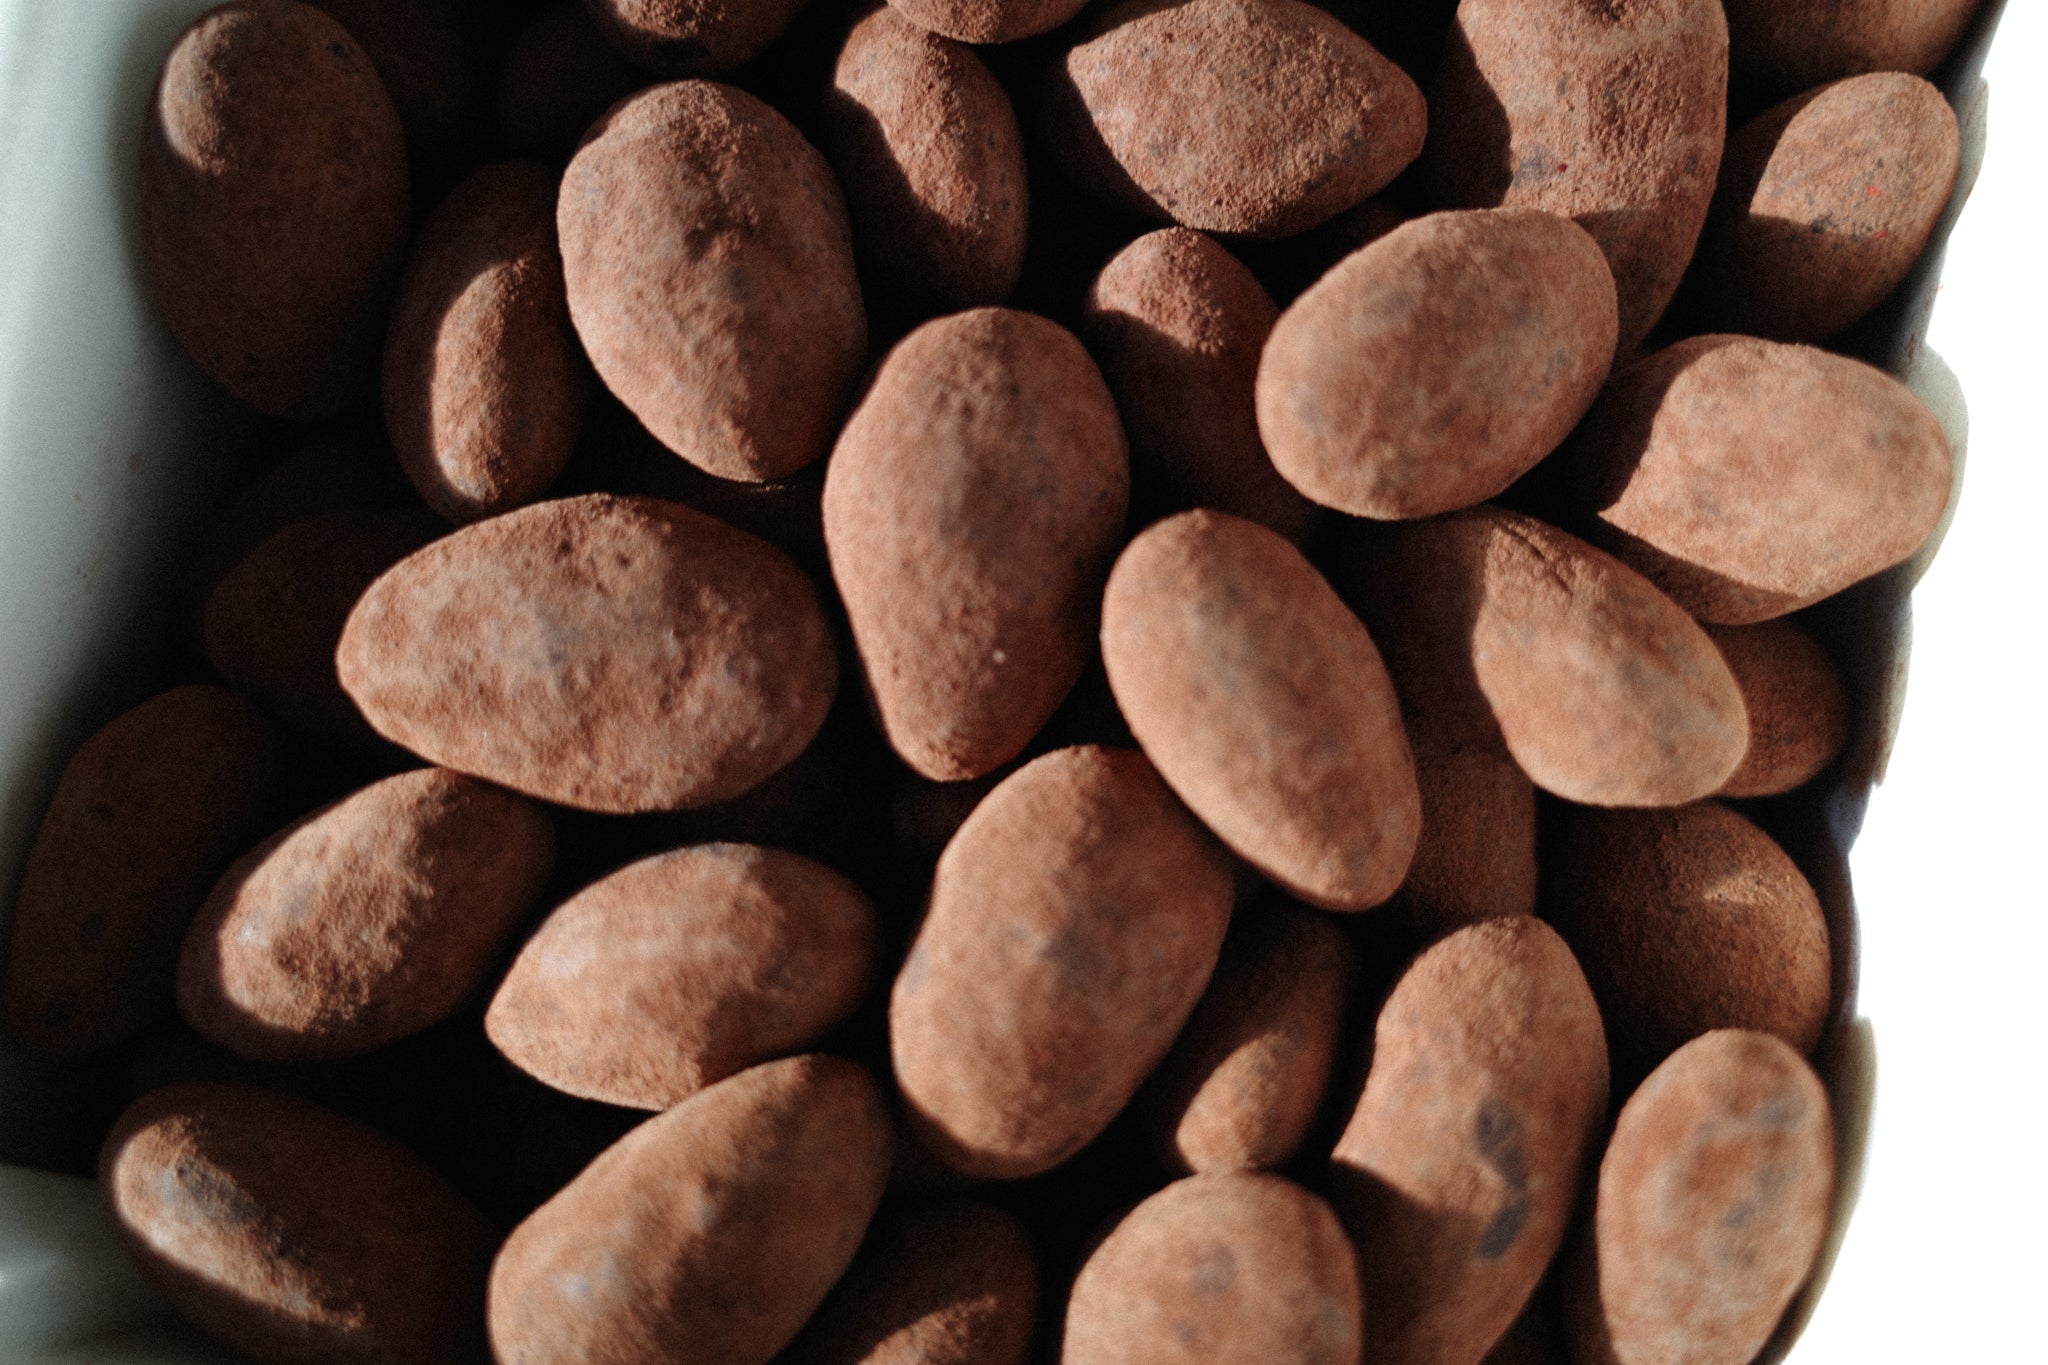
[
  {"x": 707, "y": 1235},
  {"x": 1798, "y": 704},
  {"x": 1460, "y": 1165},
  {"x": 988, "y": 21},
  {"x": 1256, "y": 117},
  {"x": 691, "y": 37},
  {"x": 1264, "y": 703},
  {"x": 614, "y": 654},
  {"x": 682, "y": 969},
  {"x": 366, "y": 921},
  {"x": 1074, "y": 922},
  {"x": 274, "y": 205}
]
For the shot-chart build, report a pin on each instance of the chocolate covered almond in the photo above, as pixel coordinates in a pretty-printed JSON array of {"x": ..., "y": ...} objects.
[
  {"x": 1264, "y": 704},
  {"x": 972, "y": 507},
  {"x": 275, "y": 205},
  {"x": 1798, "y": 705},
  {"x": 710, "y": 277},
  {"x": 366, "y": 921},
  {"x": 1074, "y": 920},
  {"x": 682, "y": 969},
  {"x": 614, "y": 654},
  {"x": 294, "y": 1234},
  {"x": 146, "y": 814},
  {"x": 1459, "y": 1168},
  {"x": 707, "y": 1235}
]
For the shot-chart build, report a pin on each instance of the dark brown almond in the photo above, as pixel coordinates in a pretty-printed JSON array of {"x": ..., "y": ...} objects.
[
  {"x": 707, "y": 1235},
  {"x": 364, "y": 922},
  {"x": 558, "y": 75},
  {"x": 1798, "y": 706},
  {"x": 1264, "y": 703},
  {"x": 1787, "y": 45},
  {"x": 682, "y": 969},
  {"x": 484, "y": 382},
  {"x": 431, "y": 58},
  {"x": 614, "y": 654},
  {"x": 1074, "y": 921},
  {"x": 275, "y": 205},
  {"x": 988, "y": 21},
  {"x": 972, "y": 508},
  {"x": 146, "y": 814},
  {"x": 1460, "y": 1166},
  {"x": 691, "y": 37},
  {"x": 294, "y": 1234}
]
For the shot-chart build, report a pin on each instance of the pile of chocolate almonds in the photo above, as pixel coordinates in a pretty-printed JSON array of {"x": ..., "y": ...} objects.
[{"x": 961, "y": 682}]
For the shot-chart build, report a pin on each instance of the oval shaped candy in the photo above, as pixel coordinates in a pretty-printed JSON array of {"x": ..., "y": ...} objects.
[
  {"x": 1265, "y": 705},
  {"x": 1074, "y": 921},
  {"x": 1826, "y": 202},
  {"x": 710, "y": 276},
  {"x": 1798, "y": 44},
  {"x": 988, "y": 21},
  {"x": 146, "y": 814},
  {"x": 1234, "y": 1268},
  {"x": 1247, "y": 1075},
  {"x": 1750, "y": 478},
  {"x": 1611, "y": 113},
  {"x": 1604, "y": 691},
  {"x": 953, "y": 1283},
  {"x": 613, "y": 654},
  {"x": 691, "y": 39},
  {"x": 972, "y": 508},
  {"x": 1177, "y": 324},
  {"x": 294, "y": 1234},
  {"x": 366, "y": 921},
  {"x": 1254, "y": 117},
  {"x": 1715, "y": 1195},
  {"x": 1799, "y": 710},
  {"x": 274, "y": 205},
  {"x": 1458, "y": 1170},
  {"x": 928, "y": 149},
  {"x": 1686, "y": 920},
  {"x": 707, "y": 1235},
  {"x": 1433, "y": 368},
  {"x": 680, "y": 970},
  {"x": 484, "y": 381}
]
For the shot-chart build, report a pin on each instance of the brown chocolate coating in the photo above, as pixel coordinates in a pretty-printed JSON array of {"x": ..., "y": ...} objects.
[
  {"x": 1476, "y": 858},
  {"x": 294, "y": 1234},
  {"x": 146, "y": 814},
  {"x": 428, "y": 55},
  {"x": 1237, "y": 1268},
  {"x": 275, "y": 205},
  {"x": 1750, "y": 478},
  {"x": 972, "y": 508},
  {"x": 692, "y": 37},
  {"x": 1458, "y": 1170},
  {"x": 928, "y": 150},
  {"x": 272, "y": 622},
  {"x": 954, "y": 1283},
  {"x": 364, "y": 922},
  {"x": 1825, "y": 204},
  {"x": 1604, "y": 691},
  {"x": 1715, "y": 1195},
  {"x": 484, "y": 381},
  {"x": 1686, "y": 920},
  {"x": 339, "y": 469},
  {"x": 1265, "y": 705},
  {"x": 682, "y": 969},
  {"x": 1789, "y": 45},
  {"x": 1177, "y": 324},
  {"x": 1432, "y": 369},
  {"x": 558, "y": 75},
  {"x": 988, "y": 21},
  {"x": 1254, "y": 117},
  {"x": 1247, "y": 1075},
  {"x": 710, "y": 276},
  {"x": 1610, "y": 112},
  {"x": 613, "y": 654},
  {"x": 1073, "y": 924},
  {"x": 707, "y": 1235},
  {"x": 1799, "y": 714}
]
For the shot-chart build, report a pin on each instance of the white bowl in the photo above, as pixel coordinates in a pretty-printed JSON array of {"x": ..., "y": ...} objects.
[{"x": 110, "y": 446}]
